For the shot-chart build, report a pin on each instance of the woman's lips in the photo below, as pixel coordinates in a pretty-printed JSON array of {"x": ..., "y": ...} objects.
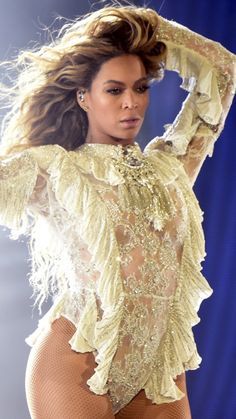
[{"x": 130, "y": 122}]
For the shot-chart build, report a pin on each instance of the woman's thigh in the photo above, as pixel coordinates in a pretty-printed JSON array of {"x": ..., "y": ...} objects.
[
  {"x": 142, "y": 408},
  {"x": 56, "y": 379}
]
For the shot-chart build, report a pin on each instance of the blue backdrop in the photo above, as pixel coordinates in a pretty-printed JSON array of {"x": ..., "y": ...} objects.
[{"x": 212, "y": 388}]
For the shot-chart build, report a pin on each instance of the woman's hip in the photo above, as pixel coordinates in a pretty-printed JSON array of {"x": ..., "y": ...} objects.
[{"x": 56, "y": 378}]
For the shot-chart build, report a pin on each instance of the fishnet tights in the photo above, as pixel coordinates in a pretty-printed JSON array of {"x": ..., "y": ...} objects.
[
  {"x": 142, "y": 408},
  {"x": 56, "y": 384}
]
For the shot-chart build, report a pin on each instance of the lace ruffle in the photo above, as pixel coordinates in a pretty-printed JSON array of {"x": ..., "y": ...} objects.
[
  {"x": 18, "y": 176},
  {"x": 208, "y": 73},
  {"x": 91, "y": 334},
  {"x": 177, "y": 351}
]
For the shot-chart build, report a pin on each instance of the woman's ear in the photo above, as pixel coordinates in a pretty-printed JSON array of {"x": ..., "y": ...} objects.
[{"x": 80, "y": 96}]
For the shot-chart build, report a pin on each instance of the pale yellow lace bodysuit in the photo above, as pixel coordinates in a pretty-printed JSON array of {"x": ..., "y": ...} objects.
[{"x": 117, "y": 237}]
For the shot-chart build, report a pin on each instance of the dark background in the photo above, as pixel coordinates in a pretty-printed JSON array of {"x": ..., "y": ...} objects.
[{"x": 212, "y": 388}]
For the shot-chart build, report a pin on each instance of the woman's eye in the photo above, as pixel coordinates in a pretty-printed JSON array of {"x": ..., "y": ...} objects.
[
  {"x": 117, "y": 90},
  {"x": 143, "y": 88},
  {"x": 114, "y": 91}
]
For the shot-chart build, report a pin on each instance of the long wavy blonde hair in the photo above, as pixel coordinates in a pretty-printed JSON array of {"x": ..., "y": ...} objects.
[{"x": 42, "y": 99}]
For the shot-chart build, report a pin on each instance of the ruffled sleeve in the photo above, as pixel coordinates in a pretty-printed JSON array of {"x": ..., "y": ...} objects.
[
  {"x": 18, "y": 178},
  {"x": 208, "y": 73},
  {"x": 23, "y": 185}
]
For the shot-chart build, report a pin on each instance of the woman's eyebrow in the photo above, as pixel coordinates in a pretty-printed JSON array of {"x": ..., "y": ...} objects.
[{"x": 123, "y": 84}]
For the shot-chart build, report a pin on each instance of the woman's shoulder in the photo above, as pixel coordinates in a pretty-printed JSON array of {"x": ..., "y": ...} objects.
[
  {"x": 46, "y": 156},
  {"x": 55, "y": 158},
  {"x": 23, "y": 177},
  {"x": 165, "y": 162},
  {"x": 31, "y": 157}
]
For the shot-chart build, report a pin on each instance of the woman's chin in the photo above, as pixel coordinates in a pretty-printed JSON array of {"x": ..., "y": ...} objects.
[{"x": 124, "y": 141}]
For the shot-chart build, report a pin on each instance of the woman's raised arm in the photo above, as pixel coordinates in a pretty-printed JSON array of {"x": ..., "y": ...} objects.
[{"x": 208, "y": 71}]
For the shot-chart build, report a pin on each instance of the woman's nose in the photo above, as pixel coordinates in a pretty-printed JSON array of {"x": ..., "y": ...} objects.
[{"x": 129, "y": 101}]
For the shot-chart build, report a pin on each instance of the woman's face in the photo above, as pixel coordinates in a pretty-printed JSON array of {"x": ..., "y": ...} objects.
[{"x": 117, "y": 101}]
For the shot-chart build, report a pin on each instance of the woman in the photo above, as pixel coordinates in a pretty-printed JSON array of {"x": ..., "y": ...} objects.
[{"x": 116, "y": 235}]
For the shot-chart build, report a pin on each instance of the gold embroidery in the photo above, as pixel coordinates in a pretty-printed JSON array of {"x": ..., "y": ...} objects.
[{"x": 149, "y": 264}]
